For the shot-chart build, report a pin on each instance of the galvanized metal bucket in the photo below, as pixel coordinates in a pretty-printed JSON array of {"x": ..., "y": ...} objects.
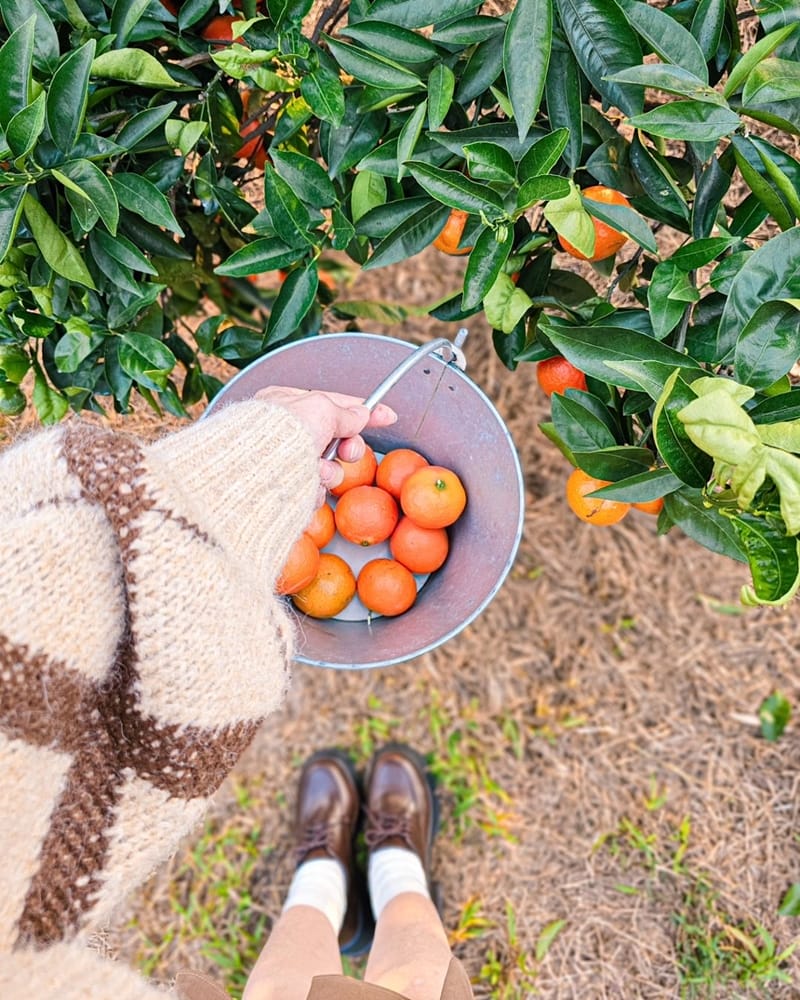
[{"x": 447, "y": 418}]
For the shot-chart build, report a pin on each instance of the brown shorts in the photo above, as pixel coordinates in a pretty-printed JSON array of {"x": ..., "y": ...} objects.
[{"x": 192, "y": 986}]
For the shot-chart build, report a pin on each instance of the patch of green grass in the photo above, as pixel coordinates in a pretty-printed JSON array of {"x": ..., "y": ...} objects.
[
  {"x": 509, "y": 972},
  {"x": 462, "y": 748},
  {"x": 714, "y": 951}
]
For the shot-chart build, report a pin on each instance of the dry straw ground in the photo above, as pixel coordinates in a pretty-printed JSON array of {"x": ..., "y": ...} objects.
[{"x": 607, "y": 796}]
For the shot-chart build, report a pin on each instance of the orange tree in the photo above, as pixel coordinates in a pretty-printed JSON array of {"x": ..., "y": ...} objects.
[{"x": 127, "y": 200}]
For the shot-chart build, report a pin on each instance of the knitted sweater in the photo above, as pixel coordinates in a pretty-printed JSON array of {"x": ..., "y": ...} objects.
[{"x": 141, "y": 647}]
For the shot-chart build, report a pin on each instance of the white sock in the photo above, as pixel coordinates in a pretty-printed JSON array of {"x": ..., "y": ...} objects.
[
  {"x": 393, "y": 870},
  {"x": 320, "y": 883}
]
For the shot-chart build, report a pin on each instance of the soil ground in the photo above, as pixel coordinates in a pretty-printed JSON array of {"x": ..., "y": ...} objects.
[{"x": 614, "y": 825}]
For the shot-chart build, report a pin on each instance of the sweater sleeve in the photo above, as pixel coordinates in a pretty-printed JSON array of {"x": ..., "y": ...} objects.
[{"x": 141, "y": 645}]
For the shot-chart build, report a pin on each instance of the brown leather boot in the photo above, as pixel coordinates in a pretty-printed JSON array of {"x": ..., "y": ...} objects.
[
  {"x": 326, "y": 818},
  {"x": 401, "y": 809}
]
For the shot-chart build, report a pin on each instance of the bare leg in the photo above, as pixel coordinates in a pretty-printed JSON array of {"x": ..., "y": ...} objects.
[
  {"x": 302, "y": 945},
  {"x": 410, "y": 953}
]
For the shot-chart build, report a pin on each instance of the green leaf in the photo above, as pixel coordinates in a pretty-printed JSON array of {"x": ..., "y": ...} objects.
[
  {"x": 122, "y": 251},
  {"x": 441, "y": 86},
  {"x": 543, "y": 188},
  {"x": 526, "y": 54},
  {"x": 774, "y": 561},
  {"x": 768, "y": 346},
  {"x": 762, "y": 48},
  {"x": 14, "y": 363},
  {"x": 74, "y": 347},
  {"x": 641, "y": 488},
  {"x": 16, "y": 59},
  {"x": 697, "y": 254},
  {"x": 412, "y": 235},
  {"x": 668, "y": 294},
  {"x": 134, "y": 66},
  {"x": 59, "y": 253},
  {"x": 268, "y": 254},
  {"x": 718, "y": 425},
  {"x": 384, "y": 219},
  {"x": 392, "y": 42},
  {"x": 68, "y": 96},
  {"x": 93, "y": 185},
  {"x": 505, "y": 304},
  {"x": 691, "y": 121},
  {"x": 488, "y": 256},
  {"x": 547, "y": 936},
  {"x": 774, "y": 713},
  {"x": 409, "y": 135},
  {"x": 292, "y": 304},
  {"x": 595, "y": 349},
  {"x": 454, "y": 189},
  {"x": 25, "y": 127},
  {"x": 790, "y": 904},
  {"x": 604, "y": 44},
  {"x": 11, "y": 199},
  {"x": 570, "y": 219},
  {"x": 243, "y": 63},
  {"x": 369, "y": 191},
  {"x": 289, "y": 215},
  {"x": 784, "y": 470},
  {"x": 670, "y": 79},
  {"x": 768, "y": 273},
  {"x": 691, "y": 465},
  {"x": 184, "y": 136},
  {"x": 324, "y": 93},
  {"x": 578, "y": 426},
  {"x": 468, "y": 30},
  {"x": 45, "y": 39},
  {"x": 563, "y": 96},
  {"x": 761, "y": 187},
  {"x": 701, "y": 521},
  {"x": 148, "y": 361},
  {"x": 712, "y": 187},
  {"x": 140, "y": 125},
  {"x": 49, "y": 404},
  {"x": 787, "y": 184},
  {"x": 378, "y": 312},
  {"x": 772, "y": 81},
  {"x": 657, "y": 180},
  {"x": 143, "y": 198},
  {"x": 615, "y": 463},
  {"x": 350, "y": 141},
  {"x": 501, "y": 133},
  {"x": 542, "y": 155},
  {"x": 281, "y": 11},
  {"x": 373, "y": 69},
  {"x": 624, "y": 219},
  {"x": 707, "y": 23},
  {"x": 192, "y": 11},
  {"x": 125, "y": 15},
  {"x": 306, "y": 177},
  {"x": 666, "y": 37},
  {"x": 419, "y": 13}
]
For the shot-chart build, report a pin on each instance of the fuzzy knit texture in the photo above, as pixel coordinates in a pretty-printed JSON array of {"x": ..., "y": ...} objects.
[{"x": 141, "y": 646}]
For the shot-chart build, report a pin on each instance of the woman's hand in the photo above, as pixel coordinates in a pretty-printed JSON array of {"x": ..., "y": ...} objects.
[{"x": 329, "y": 415}]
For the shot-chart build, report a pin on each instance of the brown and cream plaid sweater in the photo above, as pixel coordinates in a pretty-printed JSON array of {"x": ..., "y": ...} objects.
[{"x": 141, "y": 646}]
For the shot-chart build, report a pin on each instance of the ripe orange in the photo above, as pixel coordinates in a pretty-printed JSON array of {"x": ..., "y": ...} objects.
[
  {"x": 557, "y": 374},
  {"x": 252, "y": 149},
  {"x": 448, "y": 239},
  {"x": 386, "y": 587},
  {"x": 607, "y": 241},
  {"x": 360, "y": 473},
  {"x": 330, "y": 591},
  {"x": 366, "y": 515},
  {"x": 422, "y": 550},
  {"x": 593, "y": 509},
  {"x": 395, "y": 467},
  {"x": 651, "y": 506},
  {"x": 322, "y": 526},
  {"x": 433, "y": 497},
  {"x": 218, "y": 29},
  {"x": 171, "y": 6},
  {"x": 300, "y": 567}
]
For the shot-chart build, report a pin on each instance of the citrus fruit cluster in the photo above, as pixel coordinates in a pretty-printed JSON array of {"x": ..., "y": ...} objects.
[{"x": 402, "y": 501}]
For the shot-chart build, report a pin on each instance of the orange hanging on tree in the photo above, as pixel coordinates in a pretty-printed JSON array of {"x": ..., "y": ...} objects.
[{"x": 607, "y": 241}]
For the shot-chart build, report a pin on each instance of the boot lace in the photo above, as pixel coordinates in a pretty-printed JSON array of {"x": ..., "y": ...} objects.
[{"x": 387, "y": 826}]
